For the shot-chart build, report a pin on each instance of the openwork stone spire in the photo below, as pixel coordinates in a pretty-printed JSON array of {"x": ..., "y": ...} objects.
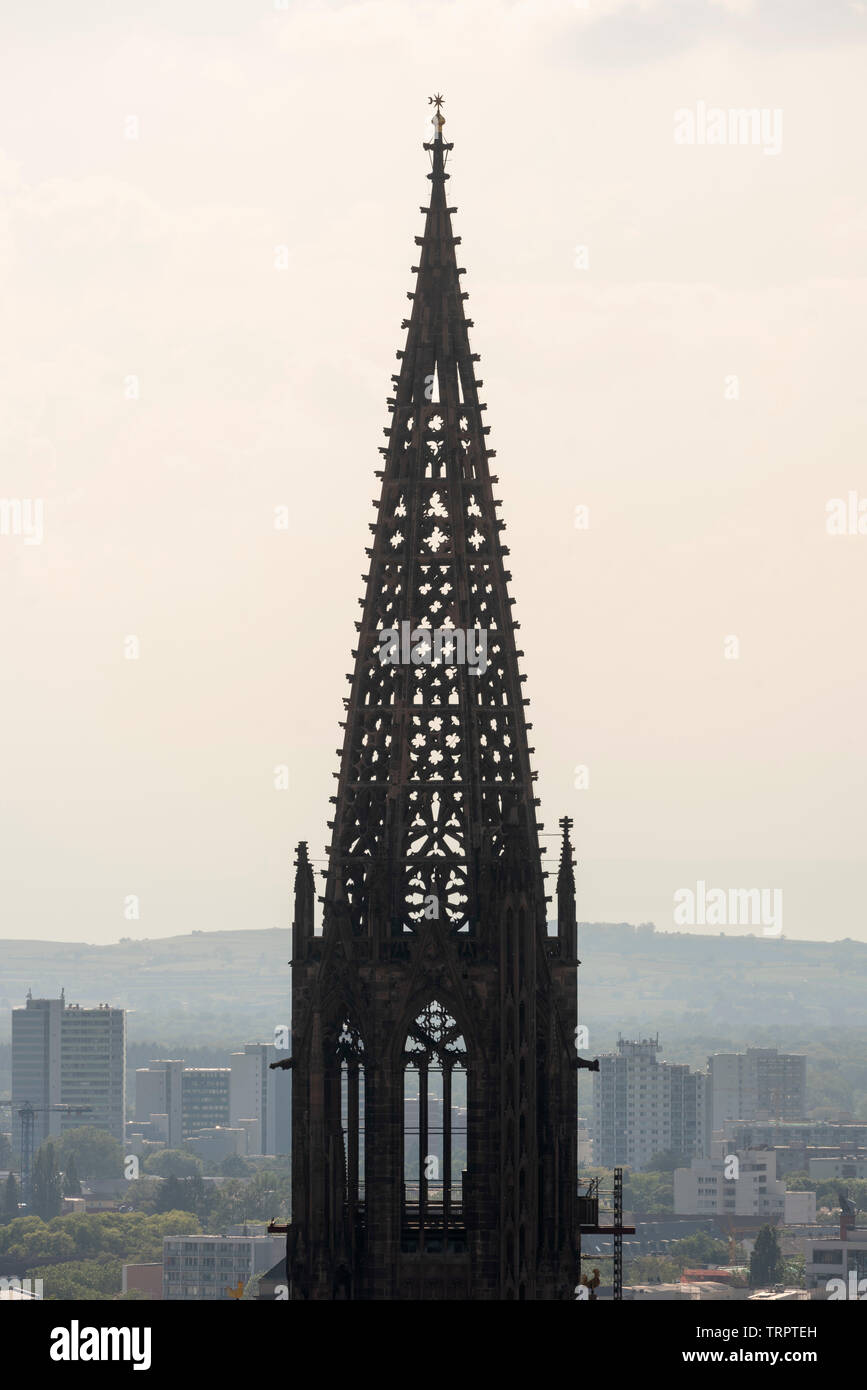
[
  {"x": 435, "y": 758},
  {"x": 434, "y": 1142}
]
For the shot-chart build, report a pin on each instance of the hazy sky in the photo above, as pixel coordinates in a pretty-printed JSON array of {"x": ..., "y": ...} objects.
[{"x": 695, "y": 377}]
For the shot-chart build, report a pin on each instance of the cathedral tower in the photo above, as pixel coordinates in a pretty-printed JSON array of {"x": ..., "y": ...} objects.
[{"x": 434, "y": 1018}]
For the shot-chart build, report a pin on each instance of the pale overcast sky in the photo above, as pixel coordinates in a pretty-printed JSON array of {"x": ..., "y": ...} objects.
[{"x": 694, "y": 377}]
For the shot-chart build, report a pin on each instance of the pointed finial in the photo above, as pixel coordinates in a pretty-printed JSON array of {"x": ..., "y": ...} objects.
[
  {"x": 438, "y": 120},
  {"x": 566, "y": 861}
]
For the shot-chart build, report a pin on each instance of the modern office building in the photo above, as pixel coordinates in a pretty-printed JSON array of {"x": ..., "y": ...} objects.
[
  {"x": 643, "y": 1107},
  {"x": 65, "y": 1054},
  {"x": 190, "y": 1098},
  {"x": 260, "y": 1094},
  {"x": 181, "y": 1102},
  {"x": 204, "y": 1098},
  {"x": 159, "y": 1093},
  {"x": 759, "y": 1084}
]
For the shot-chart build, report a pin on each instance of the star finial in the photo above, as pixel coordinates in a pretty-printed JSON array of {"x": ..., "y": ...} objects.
[{"x": 438, "y": 120}]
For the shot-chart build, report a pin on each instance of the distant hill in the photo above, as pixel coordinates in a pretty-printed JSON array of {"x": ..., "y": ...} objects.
[
  {"x": 207, "y": 985},
  {"x": 225, "y": 981},
  {"x": 634, "y": 976}
]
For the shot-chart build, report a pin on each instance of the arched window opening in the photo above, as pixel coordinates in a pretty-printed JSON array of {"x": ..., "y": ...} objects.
[
  {"x": 350, "y": 1051},
  {"x": 434, "y": 1133}
]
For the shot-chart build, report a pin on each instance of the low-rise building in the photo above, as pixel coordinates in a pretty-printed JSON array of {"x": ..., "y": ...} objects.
[
  {"x": 218, "y": 1143},
  {"x": 840, "y": 1166},
  {"x": 143, "y": 1278},
  {"x": 841, "y": 1257},
  {"x": 743, "y": 1184},
  {"x": 215, "y": 1267}
]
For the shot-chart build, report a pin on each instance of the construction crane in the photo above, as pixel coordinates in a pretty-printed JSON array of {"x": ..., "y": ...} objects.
[{"x": 25, "y": 1114}]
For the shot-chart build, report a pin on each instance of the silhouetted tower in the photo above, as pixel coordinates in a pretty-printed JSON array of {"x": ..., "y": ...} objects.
[{"x": 434, "y": 1093}]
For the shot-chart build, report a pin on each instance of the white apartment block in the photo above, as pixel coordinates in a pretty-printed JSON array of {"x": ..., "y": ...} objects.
[{"x": 643, "y": 1107}]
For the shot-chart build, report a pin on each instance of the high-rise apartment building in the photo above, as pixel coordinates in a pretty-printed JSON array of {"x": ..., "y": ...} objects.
[
  {"x": 759, "y": 1084},
  {"x": 643, "y": 1107}
]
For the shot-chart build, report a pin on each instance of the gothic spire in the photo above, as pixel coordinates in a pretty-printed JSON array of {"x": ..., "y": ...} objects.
[{"x": 435, "y": 757}]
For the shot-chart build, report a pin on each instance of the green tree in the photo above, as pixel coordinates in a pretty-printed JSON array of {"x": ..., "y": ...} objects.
[
  {"x": 701, "y": 1248},
  {"x": 5, "y": 1151},
  {"x": 46, "y": 1182},
  {"x": 666, "y": 1162},
  {"x": 171, "y": 1195},
  {"x": 99, "y": 1278},
  {"x": 141, "y": 1194},
  {"x": 96, "y": 1153},
  {"x": 103, "y": 1238},
  {"x": 71, "y": 1183},
  {"x": 234, "y": 1166},
  {"x": 652, "y": 1269},
  {"x": 766, "y": 1263},
  {"x": 231, "y": 1204},
  {"x": 652, "y": 1194},
  {"x": 801, "y": 1182},
  {"x": 793, "y": 1272},
  {"x": 199, "y": 1197},
  {"x": 172, "y": 1163}
]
